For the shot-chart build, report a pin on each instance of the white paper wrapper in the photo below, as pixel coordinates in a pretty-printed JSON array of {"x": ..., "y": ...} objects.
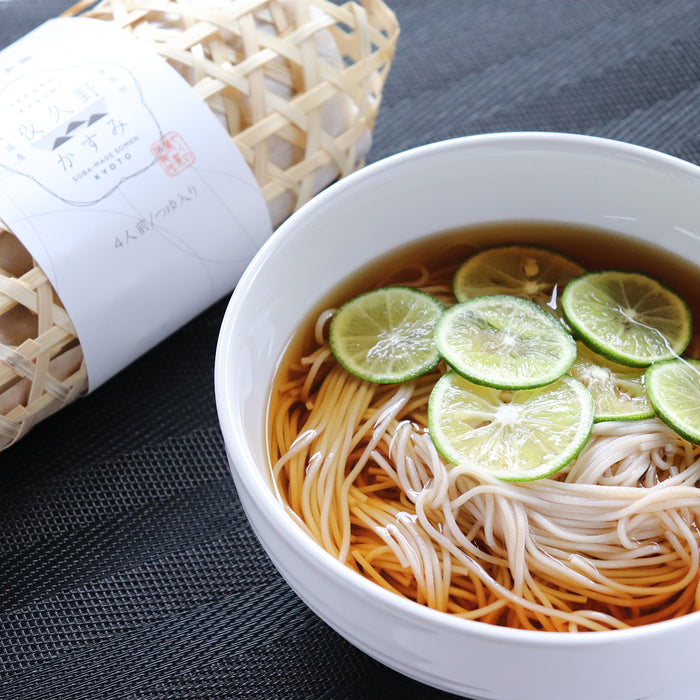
[{"x": 123, "y": 186}]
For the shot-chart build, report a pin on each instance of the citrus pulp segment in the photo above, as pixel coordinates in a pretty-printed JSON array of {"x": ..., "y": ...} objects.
[
  {"x": 674, "y": 390},
  {"x": 505, "y": 342},
  {"x": 537, "y": 274},
  {"x": 386, "y": 335},
  {"x": 618, "y": 390},
  {"x": 516, "y": 436},
  {"x": 628, "y": 317}
]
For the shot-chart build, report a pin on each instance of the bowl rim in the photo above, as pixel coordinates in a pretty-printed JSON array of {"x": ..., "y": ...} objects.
[{"x": 249, "y": 477}]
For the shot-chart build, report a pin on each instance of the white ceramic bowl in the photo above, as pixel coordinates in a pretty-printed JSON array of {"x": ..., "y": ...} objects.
[{"x": 556, "y": 177}]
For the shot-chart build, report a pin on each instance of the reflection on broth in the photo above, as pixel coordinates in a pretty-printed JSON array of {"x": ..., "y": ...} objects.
[{"x": 609, "y": 541}]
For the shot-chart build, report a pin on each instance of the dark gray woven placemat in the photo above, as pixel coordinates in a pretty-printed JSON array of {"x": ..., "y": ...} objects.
[{"x": 127, "y": 567}]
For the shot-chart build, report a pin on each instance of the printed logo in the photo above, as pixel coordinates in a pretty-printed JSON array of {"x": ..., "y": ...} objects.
[
  {"x": 78, "y": 132},
  {"x": 173, "y": 154}
]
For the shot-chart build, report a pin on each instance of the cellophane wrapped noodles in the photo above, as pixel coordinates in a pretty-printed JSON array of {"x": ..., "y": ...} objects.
[{"x": 297, "y": 85}]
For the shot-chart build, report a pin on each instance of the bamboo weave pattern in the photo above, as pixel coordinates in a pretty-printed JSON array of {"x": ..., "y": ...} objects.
[{"x": 296, "y": 83}]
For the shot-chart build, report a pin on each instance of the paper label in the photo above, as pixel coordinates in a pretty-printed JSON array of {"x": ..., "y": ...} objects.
[{"x": 123, "y": 185}]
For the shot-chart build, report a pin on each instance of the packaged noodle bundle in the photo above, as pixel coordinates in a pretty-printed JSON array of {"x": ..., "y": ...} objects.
[{"x": 118, "y": 201}]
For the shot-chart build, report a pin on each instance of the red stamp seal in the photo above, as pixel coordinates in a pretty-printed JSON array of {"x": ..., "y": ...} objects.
[{"x": 173, "y": 154}]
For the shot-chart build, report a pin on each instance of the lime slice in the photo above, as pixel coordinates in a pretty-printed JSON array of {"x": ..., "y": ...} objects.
[
  {"x": 628, "y": 317},
  {"x": 516, "y": 436},
  {"x": 537, "y": 274},
  {"x": 674, "y": 390},
  {"x": 386, "y": 335},
  {"x": 618, "y": 391},
  {"x": 504, "y": 342}
]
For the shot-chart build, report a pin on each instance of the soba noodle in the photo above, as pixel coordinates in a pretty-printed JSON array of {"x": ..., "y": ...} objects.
[{"x": 610, "y": 541}]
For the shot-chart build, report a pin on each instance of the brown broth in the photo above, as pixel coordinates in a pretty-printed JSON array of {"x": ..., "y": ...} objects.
[{"x": 593, "y": 249}]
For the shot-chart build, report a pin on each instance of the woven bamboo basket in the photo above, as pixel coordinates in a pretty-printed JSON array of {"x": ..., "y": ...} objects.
[{"x": 297, "y": 84}]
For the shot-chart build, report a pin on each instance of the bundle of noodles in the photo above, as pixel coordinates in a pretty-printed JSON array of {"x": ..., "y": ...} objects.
[
  {"x": 296, "y": 83},
  {"x": 610, "y": 541}
]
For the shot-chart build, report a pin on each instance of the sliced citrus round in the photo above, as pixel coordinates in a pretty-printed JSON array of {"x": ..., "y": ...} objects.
[
  {"x": 618, "y": 390},
  {"x": 537, "y": 274},
  {"x": 674, "y": 390},
  {"x": 386, "y": 335},
  {"x": 628, "y": 317},
  {"x": 505, "y": 342},
  {"x": 516, "y": 436}
]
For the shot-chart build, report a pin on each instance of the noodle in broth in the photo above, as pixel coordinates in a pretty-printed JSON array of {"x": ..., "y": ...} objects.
[{"x": 608, "y": 542}]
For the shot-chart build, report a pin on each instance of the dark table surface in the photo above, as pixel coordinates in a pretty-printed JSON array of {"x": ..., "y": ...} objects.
[{"x": 127, "y": 567}]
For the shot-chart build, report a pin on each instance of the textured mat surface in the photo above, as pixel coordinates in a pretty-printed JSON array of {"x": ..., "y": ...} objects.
[{"x": 127, "y": 567}]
